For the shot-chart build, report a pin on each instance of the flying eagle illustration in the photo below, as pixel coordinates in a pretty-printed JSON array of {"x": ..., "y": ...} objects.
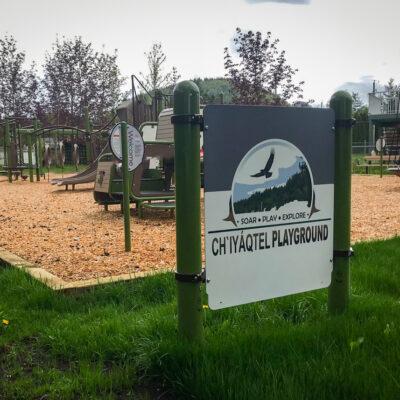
[{"x": 266, "y": 170}]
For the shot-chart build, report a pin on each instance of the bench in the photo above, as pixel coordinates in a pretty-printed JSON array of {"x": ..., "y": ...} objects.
[
  {"x": 373, "y": 161},
  {"x": 15, "y": 173},
  {"x": 377, "y": 158},
  {"x": 365, "y": 165},
  {"x": 160, "y": 205}
]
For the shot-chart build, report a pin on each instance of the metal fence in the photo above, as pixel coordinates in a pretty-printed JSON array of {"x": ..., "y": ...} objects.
[
  {"x": 384, "y": 103},
  {"x": 25, "y": 155},
  {"x": 361, "y": 132},
  {"x": 363, "y": 148}
]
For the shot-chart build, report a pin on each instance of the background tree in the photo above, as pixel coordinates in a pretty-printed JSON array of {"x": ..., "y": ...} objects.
[
  {"x": 157, "y": 78},
  {"x": 391, "y": 88},
  {"x": 108, "y": 82},
  {"x": 18, "y": 86},
  {"x": 360, "y": 110},
  {"x": 76, "y": 77},
  {"x": 259, "y": 73},
  {"x": 357, "y": 102}
]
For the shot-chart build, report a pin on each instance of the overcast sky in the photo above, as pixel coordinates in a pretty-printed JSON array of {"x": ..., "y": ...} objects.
[{"x": 331, "y": 42}]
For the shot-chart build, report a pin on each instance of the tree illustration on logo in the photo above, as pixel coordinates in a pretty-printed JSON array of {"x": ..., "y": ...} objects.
[
  {"x": 298, "y": 187},
  {"x": 283, "y": 177}
]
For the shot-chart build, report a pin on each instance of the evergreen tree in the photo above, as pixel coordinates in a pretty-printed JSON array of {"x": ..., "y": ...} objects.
[
  {"x": 298, "y": 187},
  {"x": 357, "y": 102}
]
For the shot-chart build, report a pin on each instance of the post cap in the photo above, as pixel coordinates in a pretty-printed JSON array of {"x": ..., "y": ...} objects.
[
  {"x": 186, "y": 86},
  {"x": 341, "y": 95},
  {"x": 186, "y": 98},
  {"x": 342, "y": 103}
]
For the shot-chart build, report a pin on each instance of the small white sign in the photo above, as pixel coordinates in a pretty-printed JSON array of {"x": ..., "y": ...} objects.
[
  {"x": 135, "y": 145},
  {"x": 380, "y": 144}
]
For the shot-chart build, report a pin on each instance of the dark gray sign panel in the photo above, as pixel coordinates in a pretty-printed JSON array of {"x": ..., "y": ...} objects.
[{"x": 269, "y": 175}]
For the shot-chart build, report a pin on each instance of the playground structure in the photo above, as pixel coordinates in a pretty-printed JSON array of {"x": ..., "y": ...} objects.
[
  {"x": 34, "y": 147},
  {"x": 150, "y": 184},
  {"x": 60, "y": 145},
  {"x": 140, "y": 110},
  {"x": 86, "y": 176},
  {"x": 384, "y": 117},
  {"x": 158, "y": 131}
]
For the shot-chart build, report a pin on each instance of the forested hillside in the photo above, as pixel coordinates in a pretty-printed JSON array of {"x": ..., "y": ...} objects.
[{"x": 212, "y": 88}]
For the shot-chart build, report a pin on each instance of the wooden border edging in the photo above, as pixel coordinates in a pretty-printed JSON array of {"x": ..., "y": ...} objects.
[{"x": 56, "y": 283}]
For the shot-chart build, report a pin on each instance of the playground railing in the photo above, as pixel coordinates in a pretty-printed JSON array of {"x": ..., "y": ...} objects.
[{"x": 362, "y": 148}]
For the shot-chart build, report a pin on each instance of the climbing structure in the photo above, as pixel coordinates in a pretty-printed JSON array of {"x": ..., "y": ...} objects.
[{"x": 384, "y": 118}]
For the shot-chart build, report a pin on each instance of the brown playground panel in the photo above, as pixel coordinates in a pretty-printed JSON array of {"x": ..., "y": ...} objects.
[{"x": 69, "y": 236}]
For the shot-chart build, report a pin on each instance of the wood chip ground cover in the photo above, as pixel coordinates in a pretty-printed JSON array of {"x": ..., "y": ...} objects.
[{"x": 69, "y": 235}]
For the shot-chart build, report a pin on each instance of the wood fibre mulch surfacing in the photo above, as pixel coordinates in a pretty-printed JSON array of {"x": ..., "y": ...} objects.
[
  {"x": 375, "y": 207},
  {"x": 69, "y": 235}
]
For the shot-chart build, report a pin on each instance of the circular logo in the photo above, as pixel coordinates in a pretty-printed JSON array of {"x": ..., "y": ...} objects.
[
  {"x": 135, "y": 145},
  {"x": 273, "y": 184}
]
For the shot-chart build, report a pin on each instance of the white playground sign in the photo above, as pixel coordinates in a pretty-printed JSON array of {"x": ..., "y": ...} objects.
[
  {"x": 380, "y": 144},
  {"x": 268, "y": 202},
  {"x": 135, "y": 145}
]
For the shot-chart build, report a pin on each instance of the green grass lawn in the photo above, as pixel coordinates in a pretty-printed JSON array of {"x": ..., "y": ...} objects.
[{"x": 119, "y": 341}]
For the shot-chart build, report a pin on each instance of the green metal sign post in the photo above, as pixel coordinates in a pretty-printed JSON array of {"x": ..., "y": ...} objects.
[
  {"x": 30, "y": 166},
  {"x": 40, "y": 149},
  {"x": 88, "y": 138},
  {"x": 339, "y": 290},
  {"x": 188, "y": 228},
  {"x": 381, "y": 155},
  {"x": 8, "y": 149},
  {"x": 126, "y": 191},
  {"x": 37, "y": 151}
]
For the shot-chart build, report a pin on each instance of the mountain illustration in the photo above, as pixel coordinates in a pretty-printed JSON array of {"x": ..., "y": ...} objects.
[
  {"x": 243, "y": 191},
  {"x": 293, "y": 183}
]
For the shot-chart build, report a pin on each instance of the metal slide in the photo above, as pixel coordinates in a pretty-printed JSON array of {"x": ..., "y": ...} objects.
[{"x": 86, "y": 176}]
